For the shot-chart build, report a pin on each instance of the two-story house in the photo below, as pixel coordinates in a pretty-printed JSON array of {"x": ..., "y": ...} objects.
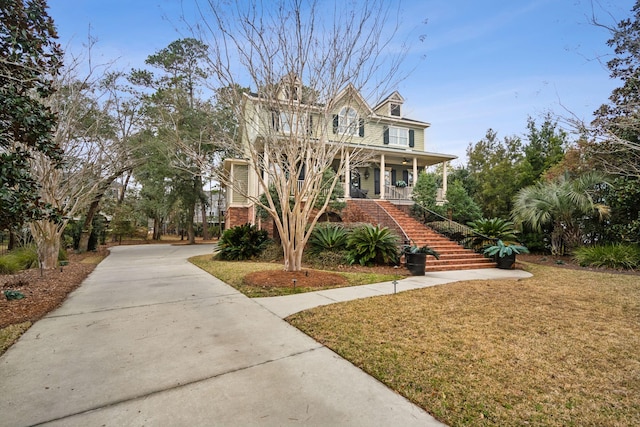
[{"x": 396, "y": 146}]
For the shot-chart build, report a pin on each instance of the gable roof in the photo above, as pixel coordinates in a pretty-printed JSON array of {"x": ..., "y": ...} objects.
[
  {"x": 393, "y": 97},
  {"x": 351, "y": 91}
]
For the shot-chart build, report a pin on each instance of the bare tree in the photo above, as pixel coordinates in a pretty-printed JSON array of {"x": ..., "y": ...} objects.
[
  {"x": 92, "y": 157},
  {"x": 304, "y": 59},
  {"x": 613, "y": 138},
  {"x": 121, "y": 112}
]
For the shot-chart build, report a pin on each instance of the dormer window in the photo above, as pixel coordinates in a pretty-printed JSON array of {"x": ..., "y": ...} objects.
[
  {"x": 395, "y": 109},
  {"x": 292, "y": 92}
]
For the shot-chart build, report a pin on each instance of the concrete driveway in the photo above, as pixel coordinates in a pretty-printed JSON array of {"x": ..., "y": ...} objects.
[{"x": 150, "y": 339}]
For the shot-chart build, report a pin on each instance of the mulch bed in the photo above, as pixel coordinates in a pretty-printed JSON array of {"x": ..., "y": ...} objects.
[
  {"x": 305, "y": 278},
  {"x": 567, "y": 262},
  {"x": 43, "y": 291}
]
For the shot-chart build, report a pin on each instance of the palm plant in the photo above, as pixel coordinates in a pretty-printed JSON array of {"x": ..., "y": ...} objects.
[
  {"x": 561, "y": 203},
  {"x": 490, "y": 230},
  {"x": 330, "y": 237},
  {"x": 372, "y": 245},
  {"x": 242, "y": 242}
]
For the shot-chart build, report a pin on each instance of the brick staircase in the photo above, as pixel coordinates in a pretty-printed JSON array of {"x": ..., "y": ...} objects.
[{"x": 452, "y": 255}]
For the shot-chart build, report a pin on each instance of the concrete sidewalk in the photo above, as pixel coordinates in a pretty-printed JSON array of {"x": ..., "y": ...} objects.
[
  {"x": 150, "y": 339},
  {"x": 287, "y": 305}
]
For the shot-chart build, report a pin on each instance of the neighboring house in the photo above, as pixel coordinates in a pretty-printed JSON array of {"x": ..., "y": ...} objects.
[
  {"x": 397, "y": 146},
  {"x": 215, "y": 208}
]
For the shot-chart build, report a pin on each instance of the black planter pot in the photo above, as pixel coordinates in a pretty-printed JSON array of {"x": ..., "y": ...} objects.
[
  {"x": 506, "y": 262},
  {"x": 416, "y": 263}
]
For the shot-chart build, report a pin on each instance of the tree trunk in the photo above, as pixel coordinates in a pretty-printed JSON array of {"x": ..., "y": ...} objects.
[
  {"x": 557, "y": 245},
  {"x": 191, "y": 234},
  {"x": 205, "y": 223},
  {"x": 47, "y": 236},
  {"x": 157, "y": 224},
  {"x": 12, "y": 240},
  {"x": 124, "y": 189},
  {"x": 87, "y": 227}
]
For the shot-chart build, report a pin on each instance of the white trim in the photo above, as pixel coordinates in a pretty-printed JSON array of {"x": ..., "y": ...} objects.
[
  {"x": 348, "y": 121},
  {"x": 394, "y": 139}
]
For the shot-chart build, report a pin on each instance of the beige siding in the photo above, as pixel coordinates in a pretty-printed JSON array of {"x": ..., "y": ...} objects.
[
  {"x": 241, "y": 179},
  {"x": 374, "y": 136}
]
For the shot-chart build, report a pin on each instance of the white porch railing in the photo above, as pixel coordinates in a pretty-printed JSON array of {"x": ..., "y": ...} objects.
[
  {"x": 391, "y": 192},
  {"x": 301, "y": 183}
]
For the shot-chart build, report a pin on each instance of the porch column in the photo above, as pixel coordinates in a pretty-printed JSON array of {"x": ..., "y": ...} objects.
[
  {"x": 265, "y": 168},
  {"x": 444, "y": 180},
  {"x": 382, "y": 177},
  {"x": 230, "y": 186},
  {"x": 415, "y": 171},
  {"x": 347, "y": 176}
]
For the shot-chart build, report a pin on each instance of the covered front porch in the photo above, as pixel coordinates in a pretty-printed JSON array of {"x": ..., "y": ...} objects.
[{"x": 390, "y": 174}]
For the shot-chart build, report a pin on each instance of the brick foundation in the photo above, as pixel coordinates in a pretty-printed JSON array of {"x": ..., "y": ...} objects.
[{"x": 236, "y": 216}]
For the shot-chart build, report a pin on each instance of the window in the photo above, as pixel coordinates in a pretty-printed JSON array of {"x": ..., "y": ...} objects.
[
  {"x": 399, "y": 136},
  {"x": 292, "y": 123},
  {"x": 348, "y": 121},
  {"x": 291, "y": 92},
  {"x": 395, "y": 110}
]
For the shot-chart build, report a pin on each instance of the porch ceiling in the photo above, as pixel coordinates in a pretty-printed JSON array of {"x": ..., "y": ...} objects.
[{"x": 398, "y": 155}]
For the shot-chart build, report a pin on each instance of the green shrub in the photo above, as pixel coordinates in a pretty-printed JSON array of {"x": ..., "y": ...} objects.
[
  {"x": 19, "y": 259},
  {"x": 214, "y": 231},
  {"x": 62, "y": 254},
  {"x": 617, "y": 255},
  {"x": 26, "y": 256},
  {"x": 327, "y": 259},
  {"x": 372, "y": 245},
  {"x": 271, "y": 253},
  {"x": 328, "y": 237},
  {"x": 9, "y": 264},
  {"x": 242, "y": 242}
]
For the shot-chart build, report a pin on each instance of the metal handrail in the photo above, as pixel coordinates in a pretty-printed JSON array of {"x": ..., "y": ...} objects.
[{"x": 453, "y": 230}]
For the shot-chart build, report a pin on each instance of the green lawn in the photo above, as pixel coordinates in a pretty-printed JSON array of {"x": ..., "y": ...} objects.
[
  {"x": 233, "y": 272},
  {"x": 558, "y": 349}
]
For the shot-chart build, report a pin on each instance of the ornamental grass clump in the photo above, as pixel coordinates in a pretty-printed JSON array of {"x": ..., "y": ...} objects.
[{"x": 624, "y": 256}]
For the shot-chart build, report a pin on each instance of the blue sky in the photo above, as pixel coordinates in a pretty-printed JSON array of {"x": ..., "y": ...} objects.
[{"x": 483, "y": 63}]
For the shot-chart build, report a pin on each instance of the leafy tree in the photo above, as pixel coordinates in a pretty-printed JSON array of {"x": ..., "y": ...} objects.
[
  {"x": 623, "y": 224},
  {"x": 467, "y": 179},
  {"x": 154, "y": 176},
  {"x": 181, "y": 120},
  {"x": 563, "y": 203},
  {"x": 461, "y": 206},
  {"x": 29, "y": 62},
  {"x": 544, "y": 149},
  {"x": 493, "y": 165},
  {"x": 614, "y": 136},
  {"x": 425, "y": 191}
]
